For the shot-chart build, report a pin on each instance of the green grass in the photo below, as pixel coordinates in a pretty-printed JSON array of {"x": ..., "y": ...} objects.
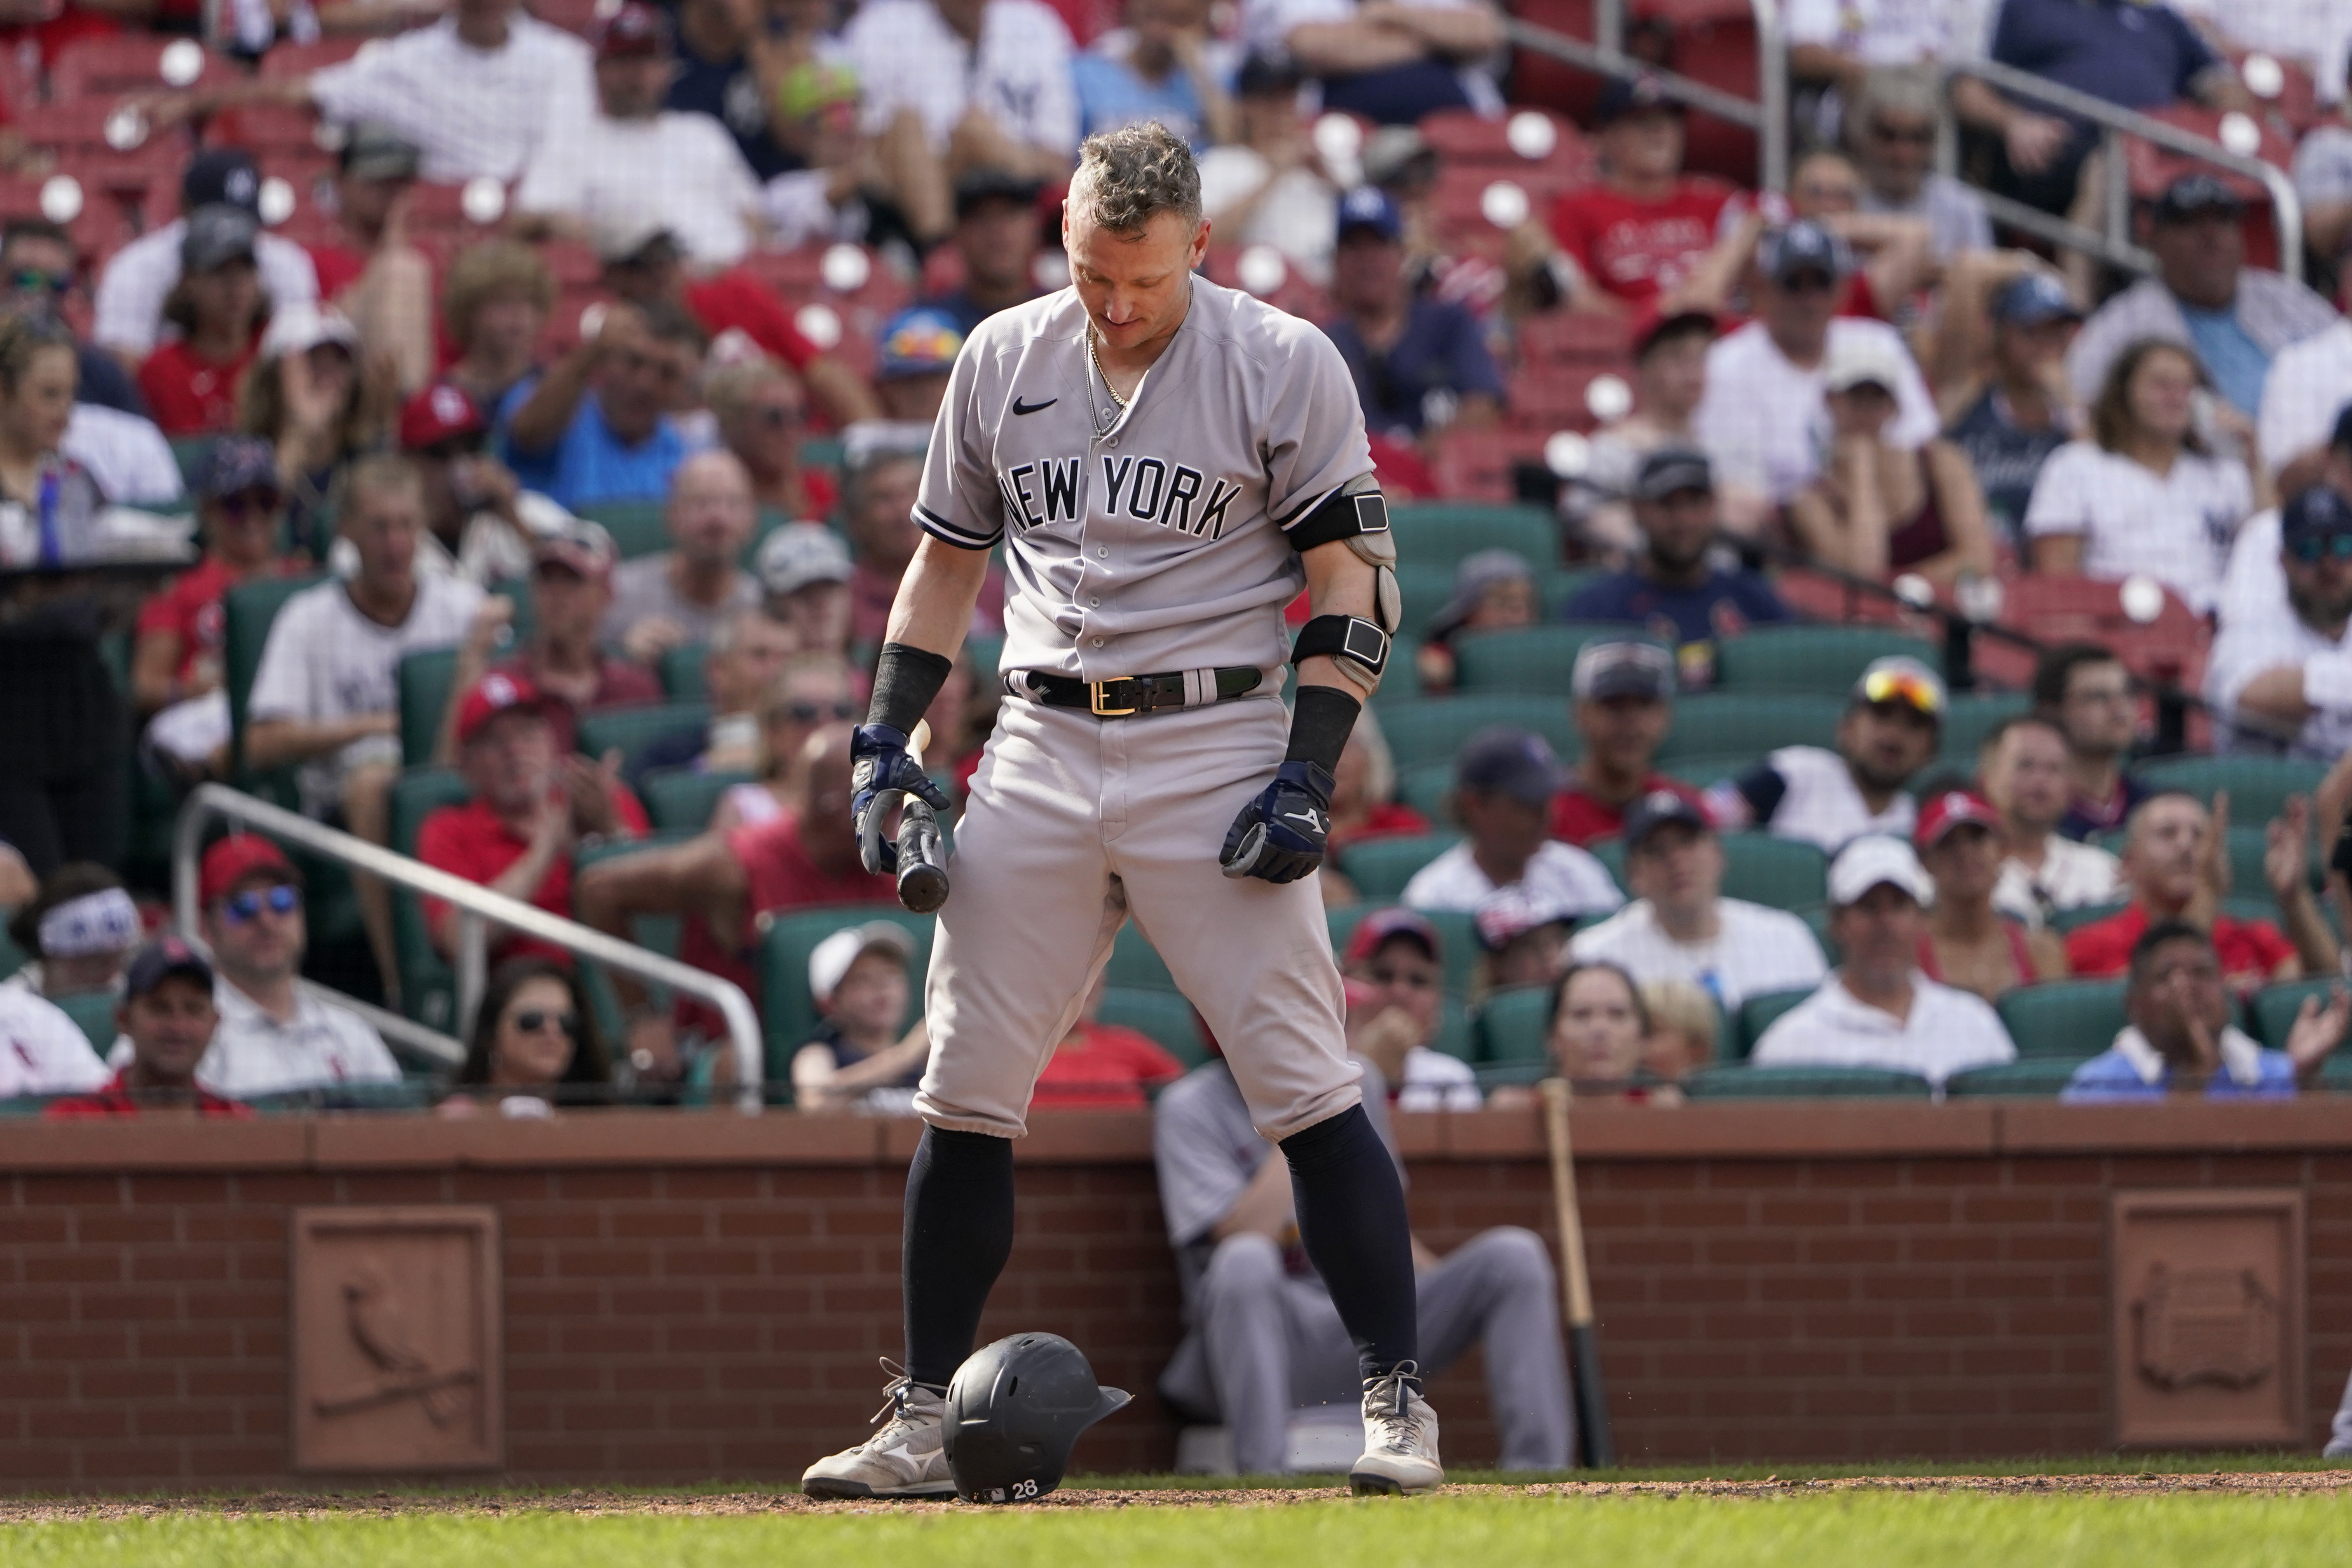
[{"x": 1917, "y": 1530}]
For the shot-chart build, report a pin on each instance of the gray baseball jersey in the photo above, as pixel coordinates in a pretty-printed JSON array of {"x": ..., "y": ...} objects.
[{"x": 1149, "y": 539}]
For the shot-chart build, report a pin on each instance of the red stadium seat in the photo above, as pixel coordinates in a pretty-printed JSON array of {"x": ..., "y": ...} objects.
[
  {"x": 108, "y": 67},
  {"x": 1298, "y": 294},
  {"x": 1581, "y": 337},
  {"x": 1482, "y": 465},
  {"x": 2172, "y": 648},
  {"x": 302, "y": 59},
  {"x": 266, "y": 127},
  {"x": 1714, "y": 42}
]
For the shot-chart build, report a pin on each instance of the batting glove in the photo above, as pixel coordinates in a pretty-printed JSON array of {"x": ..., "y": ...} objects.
[
  {"x": 881, "y": 774},
  {"x": 1279, "y": 837}
]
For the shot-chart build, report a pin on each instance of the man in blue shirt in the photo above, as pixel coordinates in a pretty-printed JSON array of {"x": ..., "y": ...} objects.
[
  {"x": 1418, "y": 363},
  {"x": 597, "y": 426},
  {"x": 1671, "y": 588},
  {"x": 1158, "y": 67},
  {"x": 2179, "y": 1040}
]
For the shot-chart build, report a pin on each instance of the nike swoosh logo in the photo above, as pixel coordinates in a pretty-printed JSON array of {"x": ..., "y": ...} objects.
[{"x": 1019, "y": 407}]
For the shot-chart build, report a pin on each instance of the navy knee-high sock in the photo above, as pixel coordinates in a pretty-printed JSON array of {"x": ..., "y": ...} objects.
[
  {"x": 1351, "y": 1220},
  {"x": 959, "y": 1231}
]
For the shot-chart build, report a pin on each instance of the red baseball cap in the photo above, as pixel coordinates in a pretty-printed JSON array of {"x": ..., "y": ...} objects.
[
  {"x": 1377, "y": 929},
  {"x": 494, "y": 694},
  {"x": 439, "y": 413},
  {"x": 634, "y": 29},
  {"x": 236, "y": 858},
  {"x": 1953, "y": 808}
]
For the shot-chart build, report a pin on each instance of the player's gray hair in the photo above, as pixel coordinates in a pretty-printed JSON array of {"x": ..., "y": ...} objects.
[{"x": 1126, "y": 176}]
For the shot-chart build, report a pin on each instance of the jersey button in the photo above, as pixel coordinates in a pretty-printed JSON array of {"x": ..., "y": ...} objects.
[
  {"x": 1097, "y": 642},
  {"x": 1095, "y": 603},
  {"x": 1102, "y": 550}
]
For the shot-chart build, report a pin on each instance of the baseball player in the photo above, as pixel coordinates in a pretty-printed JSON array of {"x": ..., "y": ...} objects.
[{"x": 1166, "y": 462}]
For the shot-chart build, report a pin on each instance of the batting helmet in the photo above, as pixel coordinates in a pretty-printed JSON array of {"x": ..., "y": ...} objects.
[{"x": 1015, "y": 1409}]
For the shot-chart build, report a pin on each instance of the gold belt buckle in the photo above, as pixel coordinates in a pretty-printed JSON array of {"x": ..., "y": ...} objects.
[{"x": 1095, "y": 702}]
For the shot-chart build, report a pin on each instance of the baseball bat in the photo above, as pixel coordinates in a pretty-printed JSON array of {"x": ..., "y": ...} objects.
[
  {"x": 1576, "y": 1287},
  {"x": 922, "y": 868}
]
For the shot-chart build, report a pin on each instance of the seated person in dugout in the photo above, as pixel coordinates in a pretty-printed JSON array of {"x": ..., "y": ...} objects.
[{"x": 859, "y": 1058}]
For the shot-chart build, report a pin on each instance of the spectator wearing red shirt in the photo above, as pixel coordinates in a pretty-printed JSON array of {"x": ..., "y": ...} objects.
[
  {"x": 2176, "y": 862},
  {"x": 1102, "y": 1067},
  {"x": 1646, "y": 229},
  {"x": 721, "y": 882},
  {"x": 1623, "y": 707},
  {"x": 168, "y": 1016},
  {"x": 190, "y": 383},
  {"x": 532, "y": 806}
]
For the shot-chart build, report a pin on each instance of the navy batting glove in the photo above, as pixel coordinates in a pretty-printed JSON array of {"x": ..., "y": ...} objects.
[
  {"x": 1279, "y": 837},
  {"x": 880, "y": 775}
]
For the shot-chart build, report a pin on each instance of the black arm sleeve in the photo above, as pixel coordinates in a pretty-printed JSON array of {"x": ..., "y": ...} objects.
[
  {"x": 1320, "y": 725},
  {"x": 905, "y": 680},
  {"x": 1763, "y": 788}
]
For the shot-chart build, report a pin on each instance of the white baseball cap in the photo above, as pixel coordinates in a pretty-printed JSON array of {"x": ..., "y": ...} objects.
[
  {"x": 1862, "y": 360},
  {"x": 833, "y": 956},
  {"x": 1868, "y": 861}
]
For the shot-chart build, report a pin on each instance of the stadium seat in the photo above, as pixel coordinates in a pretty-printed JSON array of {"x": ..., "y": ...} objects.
[
  {"x": 1454, "y": 1034},
  {"x": 2258, "y": 786},
  {"x": 2065, "y": 920},
  {"x": 1823, "y": 660},
  {"x": 2072, "y": 1019},
  {"x": 682, "y": 673},
  {"x": 426, "y": 678},
  {"x": 1533, "y": 659},
  {"x": 1381, "y": 868},
  {"x": 1424, "y": 586},
  {"x": 1701, "y": 772},
  {"x": 786, "y": 1008},
  {"x": 1427, "y": 728},
  {"x": 428, "y": 986},
  {"x": 1971, "y": 717},
  {"x": 2037, "y": 1077},
  {"x": 1440, "y": 533},
  {"x": 2271, "y": 1011},
  {"x": 1514, "y": 1026},
  {"x": 93, "y": 1014},
  {"x": 636, "y": 526},
  {"x": 1426, "y": 787},
  {"x": 680, "y": 800},
  {"x": 1757, "y": 1014},
  {"x": 1135, "y": 964},
  {"x": 248, "y": 610},
  {"x": 1779, "y": 873},
  {"x": 1164, "y": 1015},
  {"x": 1728, "y": 723},
  {"x": 1741, "y": 1081},
  {"x": 633, "y": 729}
]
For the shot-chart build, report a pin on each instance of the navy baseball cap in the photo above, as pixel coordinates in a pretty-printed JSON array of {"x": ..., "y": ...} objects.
[
  {"x": 982, "y": 185},
  {"x": 216, "y": 236},
  {"x": 221, "y": 176},
  {"x": 1625, "y": 97},
  {"x": 1656, "y": 810},
  {"x": 1369, "y": 206},
  {"x": 2193, "y": 196},
  {"x": 1800, "y": 247},
  {"x": 1670, "y": 470},
  {"x": 234, "y": 463},
  {"x": 1515, "y": 763},
  {"x": 1622, "y": 666},
  {"x": 161, "y": 959},
  {"x": 2319, "y": 513},
  {"x": 2033, "y": 300}
]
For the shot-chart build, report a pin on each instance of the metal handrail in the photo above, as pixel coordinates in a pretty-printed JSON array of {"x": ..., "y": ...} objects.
[
  {"x": 478, "y": 909},
  {"x": 2114, "y": 242}
]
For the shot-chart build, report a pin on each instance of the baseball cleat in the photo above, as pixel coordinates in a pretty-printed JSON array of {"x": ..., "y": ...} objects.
[
  {"x": 904, "y": 1457},
  {"x": 1399, "y": 1439}
]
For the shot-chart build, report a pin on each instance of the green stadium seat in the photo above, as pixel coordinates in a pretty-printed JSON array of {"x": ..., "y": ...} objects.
[
  {"x": 93, "y": 1014},
  {"x": 2065, "y": 920},
  {"x": 1426, "y": 787},
  {"x": 2037, "y": 1077},
  {"x": 248, "y": 611},
  {"x": 2258, "y": 786},
  {"x": 1817, "y": 921},
  {"x": 1381, "y": 868},
  {"x": 787, "y": 1010},
  {"x": 2072, "y": 1019},
  {"x": 1757, "y": 1014},
  {"x": 12, "y": 957},
  {"x": 2272, "y": 1010},
  {"x": 426, "y": 681},
  {"x": 1779, "y": 873},
  {"x": 636, "y": 526},
  {"x": 1424, "y": 587},
  {"x": 1749, "y": 724},
  {"x": 1164, "y": 1015},
  {"x": 1441, "y": 533},
  {"x": 1514, "y": 1026},
  {"x": 1822, "y": 660},
  {"x": 682, "y": 673},
  {"x": 428, "y": 986},
  {"x": 1135, "y": 964},
  {"x": 1536, "y": 660},
  {"x": 1699, "y": 772},
  {"x": 1745, "y": 1082},
  {"x": 1560, "y": 586},
  {"x": 680, "y": 800},
  {"x": 1971, "y": 717},
  {"x": 1430, "y": 728},
  {"x": 188, "y": 452},
  {"x": 633, "y": 729}
]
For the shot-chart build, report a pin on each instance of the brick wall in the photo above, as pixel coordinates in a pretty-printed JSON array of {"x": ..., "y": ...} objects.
[{"x": 705, "y": 1296}]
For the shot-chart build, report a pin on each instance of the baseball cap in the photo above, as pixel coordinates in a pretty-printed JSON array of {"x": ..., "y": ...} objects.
[
  {"x": 1472, "y": 576},
  {"x": 1515, "y": 763},
  {"x": 1953, "y": 808},
  {"x": 814, "y": 85},
  {"x": 1803, "y": 245},
  {"x": 635, "y": 29},
  {"x": 495, "y": 693},
  {"x": 1508, "y": 913},
  {"x": 994, "y": 184},
  {"x": 1654, "y": 323},
  {"x": 2033, "y": 298},
  {"x": 1391, "y": 153},
  {"x": 1872, "y": 859},
  {"x": 1869, "y": 361},
  {"x": 440, "y": 413},
  {"x": 1656, "y": 810},
  {"x": 221, "y": 176},
  {"x": 216, "y": 236},
  {"x": 2198, "y": 196},
  {"x": 240, "y": 858},
  {"x": 161, "y": 959},
  {"x": 1899, "y": 677},
  {"x": 626, "y": 232},
  {"x": 1379, "y": 927},
  {"x": 234, "y": 463},
  {"x": 1627, "y": 96},
  {"x": 831, "y": 959},
  {"x": 1261, "y": 75},
  {"x": 800, "y": 554},
  {"x": 578, "y": 544},
  {"x": 1369, "y": 206},
  {"x": 377, "y": 151},
  {"x": 300, "y": 326},
  {"x": 1622, "y": 666},
  {"x": 1671, "y": 470},
  {"x": 2318, "y": 512},
  {"x": 922, "y": 340}
]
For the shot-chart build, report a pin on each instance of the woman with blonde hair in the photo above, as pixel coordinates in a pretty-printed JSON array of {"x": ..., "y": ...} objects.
[{"x": 495, "y": 302}]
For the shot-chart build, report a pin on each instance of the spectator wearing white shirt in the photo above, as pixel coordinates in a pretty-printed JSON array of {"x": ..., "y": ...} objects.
[
  {"x": 1830, "y": 798},
  {"x": 139, "y": 276},
  {"x": 1878, "y": 1010},
  {"x": 1503, "y": 784},
  {"x": 680, "y": 170},
  {"x": 125, "y": 454},
  {"x": 1834, "y": 44},
  {"x": 2021, "y": 765},
  {"x": 2281, "y": 670},
  {"x": 1761, "y": 418},
  {"x": 1681, "y": 927},
  {"x": 479, "y": 91},
  {"x": 1268, "y": 185},
  {"x": 1387, "y": 62},
  {"x": 2145, "y": 494},
  {"x": 327, "y": 695},
  {"x": 42, "y": 1051},
  {"x": 1396, "y": 999},
  {"x": 2310, "y": 384},
  {"x": 1891, "y": 123}
]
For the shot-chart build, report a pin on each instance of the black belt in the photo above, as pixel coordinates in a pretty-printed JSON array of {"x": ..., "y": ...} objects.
[{"x": 1131, "y": 694}]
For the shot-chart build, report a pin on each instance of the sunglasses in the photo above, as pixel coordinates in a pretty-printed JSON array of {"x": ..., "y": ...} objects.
[
  {"x": 282, "y": 899},
  {"x": 1893, "y": 687},
  {"x": 532, "y": 1021},
  {"x": 813, "y": 713},
  {"x": 2324, "y": 547}
]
